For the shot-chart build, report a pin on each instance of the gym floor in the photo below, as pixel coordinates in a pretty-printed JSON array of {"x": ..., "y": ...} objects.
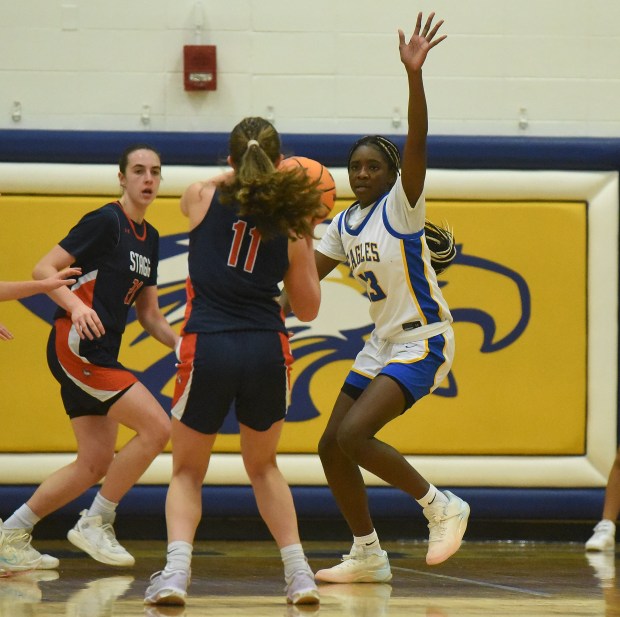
[{"x": 230, "y": 578}]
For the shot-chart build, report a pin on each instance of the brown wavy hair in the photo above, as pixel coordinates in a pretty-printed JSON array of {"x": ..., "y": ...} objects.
[{"x": 279, "y": 202}]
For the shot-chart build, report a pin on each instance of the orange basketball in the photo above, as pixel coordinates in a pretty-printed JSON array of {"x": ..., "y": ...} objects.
[{"x": 316, "y": 171}]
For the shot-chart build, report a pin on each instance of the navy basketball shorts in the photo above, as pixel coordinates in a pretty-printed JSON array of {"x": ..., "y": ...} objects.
[
  {"x": 90, "y": 376},
  {"x": 417, "y": 366},
  {"x": 250, "y": 368}
]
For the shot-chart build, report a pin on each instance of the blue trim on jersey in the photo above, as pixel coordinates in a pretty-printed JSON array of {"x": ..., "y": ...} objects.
[
  {"x": 358, "y": 230},
  {"x": 358, "y": 380},
  {"x": 419, "y": 282},
  {"x": 396, "y": 234},
  {"x": 415, "y": 269}
]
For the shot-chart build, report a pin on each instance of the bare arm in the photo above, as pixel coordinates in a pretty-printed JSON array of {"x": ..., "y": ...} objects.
[
  {"x": 14, "y": 290},
  {"x": 301, "y": 281},
  {"x": 152, "y": 319},
  {"x": 412, "y": 55},
  {"x": 196, "y": 199},
  {"x": 84, "y": 318},
  {"x": 324, "y": 266}
]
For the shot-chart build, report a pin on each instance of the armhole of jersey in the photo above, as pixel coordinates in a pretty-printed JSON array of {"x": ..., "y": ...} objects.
[
  {"x": 209, "y": 207},
  {"x": 340, "y": 221},
  {"x": 118, "y": 230}
]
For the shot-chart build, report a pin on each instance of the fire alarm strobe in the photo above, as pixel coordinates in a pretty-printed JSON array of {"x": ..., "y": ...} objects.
[{"x": 199, "y": 68}]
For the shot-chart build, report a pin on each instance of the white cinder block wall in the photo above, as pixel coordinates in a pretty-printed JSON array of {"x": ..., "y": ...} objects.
[{"x": 532, "y": 67}]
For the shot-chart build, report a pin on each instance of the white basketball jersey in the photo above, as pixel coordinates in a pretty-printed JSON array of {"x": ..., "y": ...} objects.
[{"x": 395, "y": 269}]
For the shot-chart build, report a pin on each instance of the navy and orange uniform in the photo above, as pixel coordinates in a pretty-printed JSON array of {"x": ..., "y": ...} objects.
[
  {"x": 233, "y": 275},
  {"x": 234, "y": 345},
  {"x": 118, "y": 258}
]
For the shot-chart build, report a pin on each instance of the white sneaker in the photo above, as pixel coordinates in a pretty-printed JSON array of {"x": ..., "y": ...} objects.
[
  {"x": 99, "y": 540},
  {"x": 603, "y": 538},
  {"x": 168, "y": 587},
  {"x": 301, "y": 588},
  {"x": 16, "y": 552},
  {"x": 358, "y": 567},
  {"x": 48, "y": 562},
  {"x": 446, "y": 524}
]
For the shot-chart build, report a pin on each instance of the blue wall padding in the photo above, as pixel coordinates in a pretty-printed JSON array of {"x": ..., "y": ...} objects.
[
  {"x": 447, "y": 152},
  {"x": 317, "y": 502}
]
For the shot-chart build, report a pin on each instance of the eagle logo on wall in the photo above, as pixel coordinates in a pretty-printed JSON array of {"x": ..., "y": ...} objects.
[{"x": 339, "y": 331}]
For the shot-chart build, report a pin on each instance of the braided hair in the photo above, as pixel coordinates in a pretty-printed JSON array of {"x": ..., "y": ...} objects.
[
  {"x": 279, "y": 202},
  {"x": 387, "y": 148},
  {"x": 440, "y": 239}
]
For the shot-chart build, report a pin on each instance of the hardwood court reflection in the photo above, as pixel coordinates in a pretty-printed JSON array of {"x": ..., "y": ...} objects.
[{"x": 245, "y": 578}]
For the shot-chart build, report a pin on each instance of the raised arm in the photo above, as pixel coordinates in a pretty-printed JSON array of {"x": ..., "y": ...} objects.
[{"x": 412, "y": 55}]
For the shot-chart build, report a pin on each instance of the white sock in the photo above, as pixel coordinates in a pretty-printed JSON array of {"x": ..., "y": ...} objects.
[
  {"x": 104, "y": 508},
  {"x": 22, "y": 518},
  {"x": 179, "y": 556},
  {"x": 370, "y": 543},
  {"x": 294, "y": 559},
  {"x": 433, "y": 497}
]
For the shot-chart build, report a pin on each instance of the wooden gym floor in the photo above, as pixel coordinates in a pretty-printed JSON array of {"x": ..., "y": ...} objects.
[{"x": 245, "y": 578}]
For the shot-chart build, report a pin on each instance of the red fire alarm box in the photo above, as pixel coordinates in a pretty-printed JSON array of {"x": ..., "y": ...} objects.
[{"x": 199, "y": 67}]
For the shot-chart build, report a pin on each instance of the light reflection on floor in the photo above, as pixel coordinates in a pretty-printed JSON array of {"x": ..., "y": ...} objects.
[{"x": 245, "y": 578}]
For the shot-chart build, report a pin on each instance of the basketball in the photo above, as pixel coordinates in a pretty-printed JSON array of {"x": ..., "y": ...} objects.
[{"x": 316, "y": 171}]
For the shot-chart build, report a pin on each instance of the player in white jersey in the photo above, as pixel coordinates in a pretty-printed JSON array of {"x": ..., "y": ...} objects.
[{"x": 382, "y": 238}]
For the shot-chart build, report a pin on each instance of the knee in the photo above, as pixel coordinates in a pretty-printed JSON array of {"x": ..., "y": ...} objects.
[
  {"x": 188, "y": 476},
  {"x": 257, "y": 469},
  {"x": 159, "y": 433},
  {"x": 351, "y": 442},
  {"x": 328, "y": 447},
  {"x": 96, "y": 468}
]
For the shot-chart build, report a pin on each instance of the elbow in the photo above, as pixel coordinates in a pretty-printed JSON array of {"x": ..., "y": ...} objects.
[
  {"x": 308, "y": 310},
  {"x": 307, "y": 315},
  {"x": 37, "y": 273}
]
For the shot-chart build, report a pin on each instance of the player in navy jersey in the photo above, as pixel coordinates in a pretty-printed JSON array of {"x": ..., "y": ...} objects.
[
  {"x": 382, "y": 238},
  {"x": 15, "y": 290},
  {"x": 117, "y": 252},
  {"x": 250, "y": 229}
]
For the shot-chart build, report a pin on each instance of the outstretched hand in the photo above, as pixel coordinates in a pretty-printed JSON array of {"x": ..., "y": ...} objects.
[
  {"x": 413, "y": 54},
  {"x": 5, "y": 335},
  {"x": 59, "y": 279}
]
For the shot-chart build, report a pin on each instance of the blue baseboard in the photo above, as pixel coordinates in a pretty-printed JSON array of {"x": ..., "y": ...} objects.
[{"x": 317, "y": 502}]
